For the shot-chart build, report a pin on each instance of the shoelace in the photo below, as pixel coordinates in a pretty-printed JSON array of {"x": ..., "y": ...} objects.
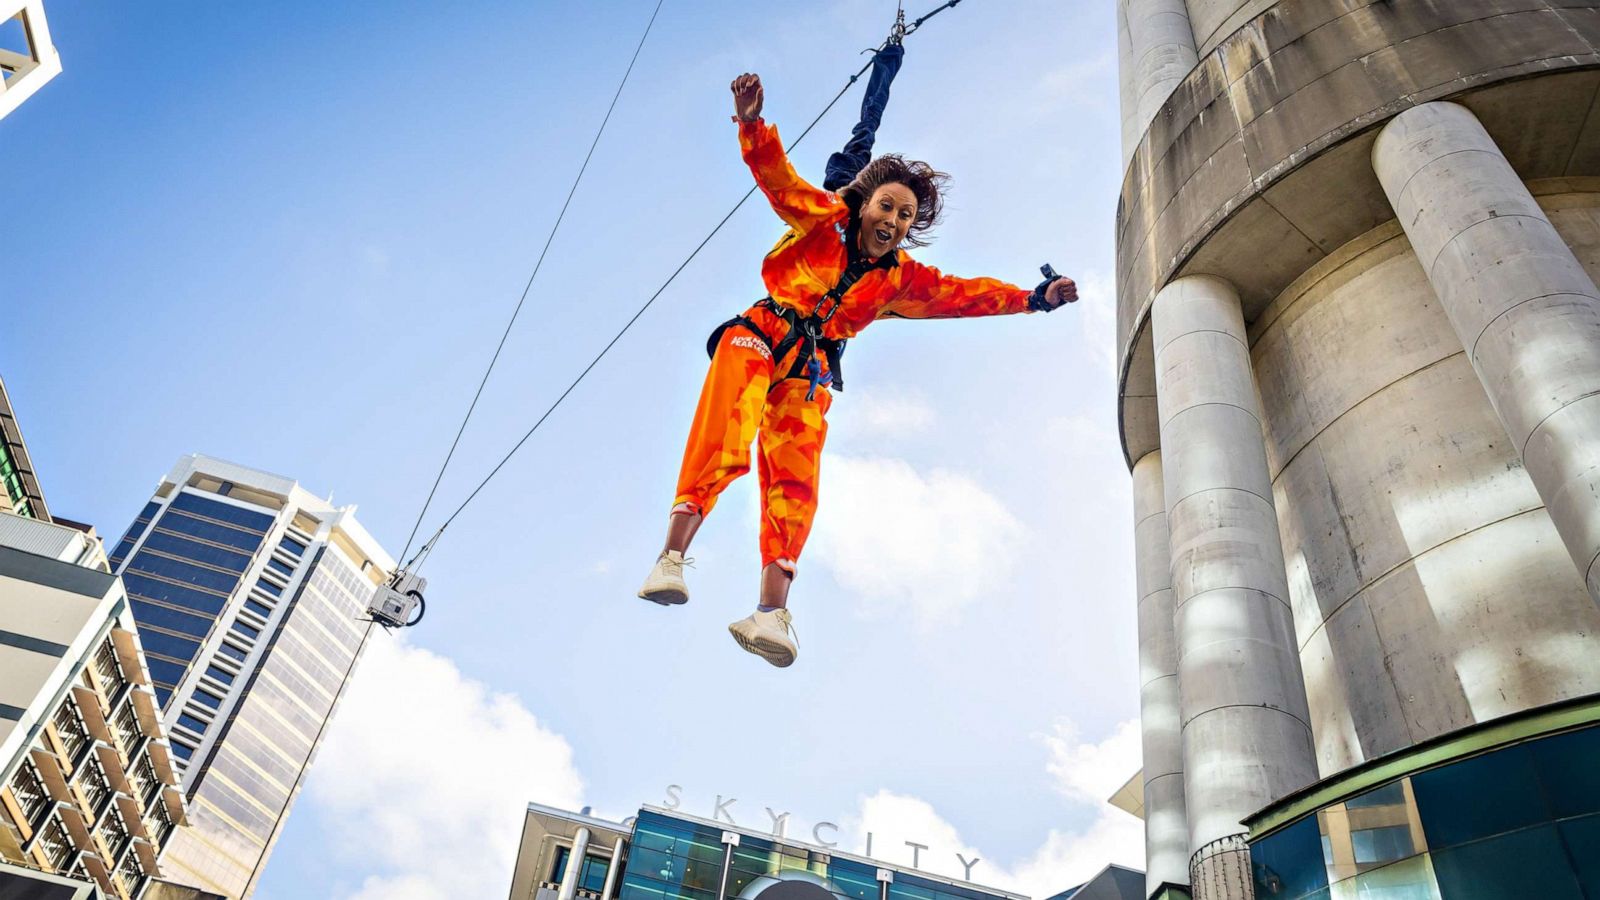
[
  {"x": 788, "y": 624},
  {"x": 687, "y": 561}
]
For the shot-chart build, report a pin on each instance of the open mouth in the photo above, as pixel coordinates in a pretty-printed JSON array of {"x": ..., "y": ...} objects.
[{"x": 883, "y": 236}]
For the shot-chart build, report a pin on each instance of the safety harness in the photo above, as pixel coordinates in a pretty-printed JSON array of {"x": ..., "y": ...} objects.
[{"x": 806, "y": 331}]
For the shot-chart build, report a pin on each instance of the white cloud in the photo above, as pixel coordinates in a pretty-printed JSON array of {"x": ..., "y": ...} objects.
[
  {"x": 889, "y": 412},
  {"x": 1097, "y": 294},
  {"x": 1092, "y": 772},
  {"x": 1086, "y": 773},
  {"x": 930, "y": 543},
  {"x": 433, "y": 771}
]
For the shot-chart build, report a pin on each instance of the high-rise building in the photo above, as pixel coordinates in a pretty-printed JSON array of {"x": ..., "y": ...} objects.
[
  {"x": 1359, "y": 335},
  {"x": 27, "y": 57},
  {"x": 88, "y": 789},
  {"x": 250, "y": 594},
  {"x": 22, "y": 494}
]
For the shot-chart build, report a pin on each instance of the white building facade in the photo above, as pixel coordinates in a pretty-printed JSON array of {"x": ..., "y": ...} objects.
[{"x": 250, "y": 594}]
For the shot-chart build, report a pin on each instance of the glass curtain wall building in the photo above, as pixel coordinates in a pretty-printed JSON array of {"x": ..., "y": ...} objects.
[
  {"x": 250, "y": 593},
  {"x": 1515, "y": 820},
  {"x": 666, "y": 855}
]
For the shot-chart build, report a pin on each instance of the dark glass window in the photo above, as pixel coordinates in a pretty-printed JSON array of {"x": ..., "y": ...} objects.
[
  {"x": 163, "y": 672},
  {"x": 191, "y": 549},
  {"x": 282, "y": 568},
  {"x": 121, "y": 553},
  {"x": 593, "y": 877},
  {"x": 1569, "y": 767},
  {"x": 206, "y": 698},
  {"x": 162, "y": 617},
  {"x": 131, "y": 536},
  {"x": 168, "y": 645},
  {"x": 855, "y": 881},
  {"x": 182, "y": 572},
  {"x": 293, "y": 546},
  {"x": 163, "y": 694},
  {"x": 1528, "y": 863},
  {"x": 270, "y": 588},
  {"x": 1381, "y": 845},
  {"x": 219, "y": 675},
  {"x": 1392, "y": 794},
  {"x": 177, "y": 595},
  {"x": 191, "y": 723},
  {"x": 230, "y": 650},
  {"x": 1289, "y": 863},
  {"x": 1479, "y": 797},
  {"x": 673, "y": 859},
  {"x": 222, "y": 512},
  {"x": 1582, "y": 837},
  {"x": 257, "y": 608},
  {"x": 182, "y": 750},
  {"x": 181, "y": 523},
  {"x": 249, "y": 631},
  {"x": 901, "y": 891}
]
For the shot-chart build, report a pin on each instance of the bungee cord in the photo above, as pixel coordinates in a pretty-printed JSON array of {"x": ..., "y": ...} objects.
[{"x": 529, "y": 286}]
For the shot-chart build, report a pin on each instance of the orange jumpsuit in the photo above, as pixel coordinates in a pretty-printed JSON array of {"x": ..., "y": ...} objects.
[{"x": 745, "y": 394}]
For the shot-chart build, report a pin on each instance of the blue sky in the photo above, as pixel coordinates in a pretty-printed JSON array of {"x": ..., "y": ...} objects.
[{"x": 289, "y": 235}]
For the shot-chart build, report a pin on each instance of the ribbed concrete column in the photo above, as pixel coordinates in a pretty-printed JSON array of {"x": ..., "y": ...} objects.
[
  {"x": 574, "y": 872},
  {"x": 1246, "y": 731},
  {"x": 1160, "y": 55},
  {"x": 1166, "y": 825},
  {"x": 1525, "y": 309}
]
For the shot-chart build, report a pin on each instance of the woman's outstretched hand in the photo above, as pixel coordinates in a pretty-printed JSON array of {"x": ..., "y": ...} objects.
[
  {"x": 1061, "y": 292},
  {"x": 747, "y": 97}
]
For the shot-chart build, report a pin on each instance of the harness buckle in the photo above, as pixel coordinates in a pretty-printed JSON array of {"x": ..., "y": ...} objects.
[{"x": 819, "y": 316}]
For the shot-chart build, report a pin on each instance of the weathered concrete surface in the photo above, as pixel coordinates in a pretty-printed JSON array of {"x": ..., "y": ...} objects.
[
  {"x": 1214, "y": 20},
  {"x": 1429, "y": 588},
  {"x": 1519, "y": 300},
  {"x": 1265, "y": 143},
  {"x": 1166, "y": 824},
  {"x": 1160, "y": 54},
  {"x": 1246, "y": 733}
]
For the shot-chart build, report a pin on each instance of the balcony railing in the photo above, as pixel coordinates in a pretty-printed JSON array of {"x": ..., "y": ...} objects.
[
  {"x": 69, "y": 728},
  {"x": 31, "y": 795},
  {"x": 109, "y": 668}
]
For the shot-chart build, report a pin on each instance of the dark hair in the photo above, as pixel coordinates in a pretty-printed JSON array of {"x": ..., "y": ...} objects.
[{"x": 925, "y": 182}]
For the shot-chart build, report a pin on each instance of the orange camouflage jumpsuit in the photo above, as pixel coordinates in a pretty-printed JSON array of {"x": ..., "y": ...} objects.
[{"x": 740, "y": 399}]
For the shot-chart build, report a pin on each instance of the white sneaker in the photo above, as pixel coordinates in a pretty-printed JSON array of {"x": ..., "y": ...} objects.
[
  {"x": 766, "y": 634},
  {"x": 665, "y": 584}
]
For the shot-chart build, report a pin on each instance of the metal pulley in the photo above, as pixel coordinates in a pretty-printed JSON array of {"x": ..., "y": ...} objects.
[{"x": 395, "y": 603}]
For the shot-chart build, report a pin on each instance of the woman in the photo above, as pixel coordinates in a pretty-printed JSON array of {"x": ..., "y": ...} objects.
[{"x": 839, "y": 268}]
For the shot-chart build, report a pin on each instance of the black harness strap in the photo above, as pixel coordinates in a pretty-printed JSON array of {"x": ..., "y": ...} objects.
[{"x": 807, "y": 331}]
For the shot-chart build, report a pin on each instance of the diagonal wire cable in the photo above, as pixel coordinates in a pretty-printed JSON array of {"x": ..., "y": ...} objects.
[
  {"x": 648, "y": 303},
  {"x": 529, "y": 286}
]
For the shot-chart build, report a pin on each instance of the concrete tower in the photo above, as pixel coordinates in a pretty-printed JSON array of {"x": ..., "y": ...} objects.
[
  {"x": 1359, "y": 336},
  {"x": 250, "y": 594}
]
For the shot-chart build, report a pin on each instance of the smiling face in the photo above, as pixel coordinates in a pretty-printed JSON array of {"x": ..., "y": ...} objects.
[{"x": 886, "y": 218}]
